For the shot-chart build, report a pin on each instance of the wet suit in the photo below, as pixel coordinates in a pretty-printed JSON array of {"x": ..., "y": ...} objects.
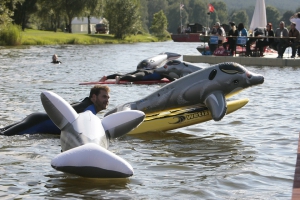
[
  {"x": 56, "y": 62},
  {"x": 141, "y": 75},
  {"x": 41, "y": 123}
]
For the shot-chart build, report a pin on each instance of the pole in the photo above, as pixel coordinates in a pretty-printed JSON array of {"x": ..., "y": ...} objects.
[{"x": 180, "y": 18}]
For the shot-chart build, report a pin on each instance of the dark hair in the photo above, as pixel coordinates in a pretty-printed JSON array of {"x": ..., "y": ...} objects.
[
  {"x": 97, "y": 88},
  {"x": 240, "y": 26},
  {"x": 270, "y": 24}
]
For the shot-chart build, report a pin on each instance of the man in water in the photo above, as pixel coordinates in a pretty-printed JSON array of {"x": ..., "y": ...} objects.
[
  {"x": 55, "y": 59},
  {"x": 41, "y": 123}
]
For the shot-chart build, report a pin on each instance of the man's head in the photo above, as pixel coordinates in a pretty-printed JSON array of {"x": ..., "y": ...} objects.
[
  {"x": 99, "y": 96},
  {"x": 54, "y": 58},
  {"x": 293, "y": 26},
  {"x": 217, "y": 24},
  {"x": 281, "y": 24}
]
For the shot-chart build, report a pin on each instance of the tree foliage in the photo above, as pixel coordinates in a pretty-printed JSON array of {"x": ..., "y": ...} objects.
[
  {"x": 23, "y": 11},
  {"x": 273, "y": 16},
  {"x": 122, "y": 16},
  {"x": 240, "y": 17},
  {"x": 159, "y": 24},
  {"x": 135, "y": 16},
  {"x": 5, "y": 14}
]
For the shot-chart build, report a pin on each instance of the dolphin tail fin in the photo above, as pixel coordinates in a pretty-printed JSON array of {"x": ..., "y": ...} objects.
[
  {"x": 120, "y": 123},
  {"x": 216, "y": 104}
]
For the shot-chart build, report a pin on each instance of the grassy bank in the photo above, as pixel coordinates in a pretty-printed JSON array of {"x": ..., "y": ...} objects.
[{"x": 37, "y": 37}]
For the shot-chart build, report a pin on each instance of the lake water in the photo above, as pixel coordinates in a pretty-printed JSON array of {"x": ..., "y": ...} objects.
[{"x": 249, "y": 154}]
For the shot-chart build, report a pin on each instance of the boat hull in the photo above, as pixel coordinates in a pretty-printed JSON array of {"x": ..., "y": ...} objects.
[{"x": 186, "y": 37}]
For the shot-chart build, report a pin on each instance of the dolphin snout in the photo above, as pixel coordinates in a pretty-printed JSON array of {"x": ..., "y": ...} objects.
[{"x": 257, "y": 79}]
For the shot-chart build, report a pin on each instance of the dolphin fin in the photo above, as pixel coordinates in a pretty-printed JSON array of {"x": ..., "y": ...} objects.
[
  {"x": 216, "y": 104},
  {"x": 120, "y": 123},
  {"x": 59, "y": 111}
]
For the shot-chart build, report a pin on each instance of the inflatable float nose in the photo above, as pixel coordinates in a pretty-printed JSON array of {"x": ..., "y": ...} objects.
[
  {"x": 91, "y": 160},
  {"x": 255, "y": 79}
]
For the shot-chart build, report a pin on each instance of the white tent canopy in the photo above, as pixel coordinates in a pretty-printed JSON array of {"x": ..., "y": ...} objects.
[{"x": 259, "y": 18}]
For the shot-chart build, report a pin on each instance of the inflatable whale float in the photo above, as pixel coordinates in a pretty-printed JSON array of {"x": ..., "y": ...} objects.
[
  {"x": 85, "y": 139},
  {"x": 210, "y": 87},
  {"x": 157, "y": 61},
  {"x": 177, "y": 68},
  {"x": 151, "y": 63}
]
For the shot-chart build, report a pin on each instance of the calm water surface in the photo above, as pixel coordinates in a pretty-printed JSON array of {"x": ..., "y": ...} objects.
[{"x": 250, "y": 154}]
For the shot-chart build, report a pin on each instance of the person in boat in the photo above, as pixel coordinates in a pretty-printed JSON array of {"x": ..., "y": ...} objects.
[
  {"x": 231, "y": 42},
  {"x": 220, "y": 32},
  {"x": 294, "y": 43},
  {"x": 188, "y": 29},
  {"x": 55, "y": 59},
  {"x": 281, "y": 44},
  {"x": 261, "y": 44},
  {"x": 40, "y": 122}
]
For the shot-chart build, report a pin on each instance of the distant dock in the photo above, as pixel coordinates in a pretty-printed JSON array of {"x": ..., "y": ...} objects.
[{"x": 267, "y": 60}]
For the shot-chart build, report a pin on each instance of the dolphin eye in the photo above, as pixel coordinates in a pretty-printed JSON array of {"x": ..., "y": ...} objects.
[
  {"x": 236, "y": 81},
  {"x": 212, "y": 74}
]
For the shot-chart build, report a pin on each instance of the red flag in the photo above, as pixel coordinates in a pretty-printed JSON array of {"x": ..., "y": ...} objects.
[{"x": 211, "y": 8}]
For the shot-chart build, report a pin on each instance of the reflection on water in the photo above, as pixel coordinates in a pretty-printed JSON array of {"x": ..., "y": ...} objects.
[{"x": 249, "y": 154}]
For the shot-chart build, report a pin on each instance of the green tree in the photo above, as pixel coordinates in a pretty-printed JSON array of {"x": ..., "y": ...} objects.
[
  {"x": 273, "y": 16},
  {"x": 5, "y": 14},
  {"x": 159, "y": 24},
  {"x": 92, "y": 8},
  {"x": 23, "y": 11},
  {"x": 122, "y": 16},
  {"x": 286, "y": 17},
  {"x": 72, "y": 8},
  {"x": 49, "y": 16},
  {"x": 144, "y": 15},
  {"x": 154, "y": 6},
  {"x": 174, "y": 17},
  {"x": 220, "y": 12},
  {"x": 198, "y": 12},
  {"x": 241, "y": 17}
]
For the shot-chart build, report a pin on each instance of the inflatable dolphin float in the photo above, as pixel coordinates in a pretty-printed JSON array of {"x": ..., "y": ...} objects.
[
  {"x": 209, "y": 86},
  {"x": 157, "y": 61},
  {"x": 85, "y": 139},
  {"x": 177, "y": 69}
]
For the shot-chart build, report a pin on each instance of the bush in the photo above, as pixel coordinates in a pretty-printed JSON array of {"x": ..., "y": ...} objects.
[{"x": 10, "y": 35}]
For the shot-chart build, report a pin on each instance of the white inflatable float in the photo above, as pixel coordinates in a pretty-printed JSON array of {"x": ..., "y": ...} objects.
[{"x": 85, "y": 139}]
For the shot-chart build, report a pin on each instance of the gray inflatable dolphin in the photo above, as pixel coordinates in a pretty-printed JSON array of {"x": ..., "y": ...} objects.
[
  {"x": 177, "y": 69},
  {"x": 157, "y": 61},
  {"x": 209, "y": 86}
]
